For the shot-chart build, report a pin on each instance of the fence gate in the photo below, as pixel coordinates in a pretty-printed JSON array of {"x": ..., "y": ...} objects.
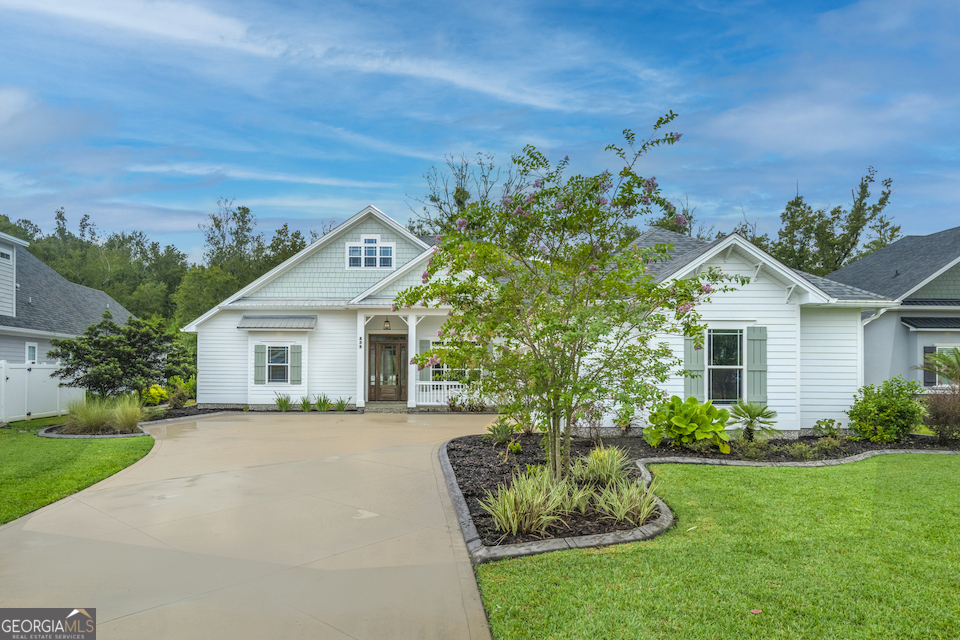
[{"x": 30, "y": 391}]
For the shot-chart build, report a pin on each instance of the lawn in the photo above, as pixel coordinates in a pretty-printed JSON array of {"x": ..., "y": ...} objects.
[
  {"x": 37, "y": 471},
  {"x": 864, "y": 550}
]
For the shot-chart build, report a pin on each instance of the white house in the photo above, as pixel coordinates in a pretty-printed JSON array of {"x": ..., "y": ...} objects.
[{"x": 321, "y": 323}]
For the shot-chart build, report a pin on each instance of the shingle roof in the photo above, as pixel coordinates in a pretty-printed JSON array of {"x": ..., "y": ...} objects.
[
  {"x": 899, "y": 267},
  {"x": 46, "y": 301},
  {"x": 931, "y": 302},
  {"x": 932, "y": 323},
  {"x": 687, "y": 249}
]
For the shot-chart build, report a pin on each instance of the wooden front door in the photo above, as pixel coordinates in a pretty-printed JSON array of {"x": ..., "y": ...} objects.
[{"x": 387, "y": 369}]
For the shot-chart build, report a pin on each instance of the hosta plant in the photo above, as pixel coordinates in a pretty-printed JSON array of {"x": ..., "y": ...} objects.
[{"x": 686, "y": 422}]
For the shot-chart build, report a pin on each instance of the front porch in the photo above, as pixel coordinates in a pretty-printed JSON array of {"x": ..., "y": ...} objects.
[{"x": 385, "y": 342}]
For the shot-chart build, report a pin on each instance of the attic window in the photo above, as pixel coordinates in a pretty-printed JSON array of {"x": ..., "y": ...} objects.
[
  {"x": 4, "y": 255},
  {"x": 370, "y": 253}
]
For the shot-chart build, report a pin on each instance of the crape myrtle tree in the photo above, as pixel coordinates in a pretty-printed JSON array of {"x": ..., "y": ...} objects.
[
  {"x": 109, "y": 359},
  {"x": 552, "y": 301}
]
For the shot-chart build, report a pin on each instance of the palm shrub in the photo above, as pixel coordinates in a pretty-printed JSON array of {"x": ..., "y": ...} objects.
[
  {"x": 323, "y": 402},
  {"x": 945, "y": 364},
  {"x": 627, "y": 501},
  {"x": 754, "y": 419},
  {"x": 306, "y": 404},
  {"x": 283, "y": 402},
  {"x": 688, "y": 421},
  {"x": 886, "y": 412},
  {"x": 943, "y": 413},
  {"x": 501, "y": 431}
]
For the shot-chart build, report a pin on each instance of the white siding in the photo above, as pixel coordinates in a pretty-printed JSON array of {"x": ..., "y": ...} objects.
[
  {"x": 829, "y": 354},
  {"x": 222, "y": 360},
  {"x": 333, "y": 355},
  {"x": 267, "y": 393},
  {"x": 759, "y": 303}
]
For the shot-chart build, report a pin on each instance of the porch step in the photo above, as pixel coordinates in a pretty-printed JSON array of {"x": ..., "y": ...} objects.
[{"x": 385, "y": 407}]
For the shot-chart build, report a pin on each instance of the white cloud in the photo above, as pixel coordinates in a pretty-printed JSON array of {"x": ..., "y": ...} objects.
[{"x": 239, "y": 173}]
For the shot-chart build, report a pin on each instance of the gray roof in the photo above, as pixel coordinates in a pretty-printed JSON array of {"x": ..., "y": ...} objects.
[
  {"x": 277, "y": 322},
  {"x": 899, "y": 267},
  {"x": 46, "y": 301},
  {"x": 687, "y": 249},
  {"x": 932, "y": 323},
  {"x": 931, "y": 302}
]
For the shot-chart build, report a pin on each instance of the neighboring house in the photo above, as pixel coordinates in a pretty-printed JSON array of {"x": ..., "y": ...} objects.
[
  {"x": 922, "y": 275},
  {"x": 321, "y": 323},
  {"x": 787, "y": 339},
  {"x": 37, "y": 304}
]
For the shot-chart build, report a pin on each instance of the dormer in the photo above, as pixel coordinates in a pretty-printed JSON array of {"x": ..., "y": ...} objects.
[{"x": 8, "y": 273}]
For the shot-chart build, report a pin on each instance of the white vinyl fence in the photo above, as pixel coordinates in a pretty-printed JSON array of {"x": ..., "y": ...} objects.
[{"x": 29, "y": 391}]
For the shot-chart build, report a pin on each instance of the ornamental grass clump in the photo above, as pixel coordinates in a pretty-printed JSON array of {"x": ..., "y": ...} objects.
[
  {"x": 306, "y": 404},
  {"x": 125, "y": 414},
  {"x": 530, "y": 505},
  {"x": 323, "y": 402},
  {"x": 627, "y": 501},
  {"x": 283, "y": 402},
  {"x": 341, "y": 404},
  {"x": 602, "y": 466},
  {"x": 87, "y": 417}
]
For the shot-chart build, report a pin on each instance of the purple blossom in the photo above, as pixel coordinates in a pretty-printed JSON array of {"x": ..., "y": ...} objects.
[
  {"x": 439, "y": 333},
  {"x": 529, "y": 198},
  {"x": 473, "y": 254},
  {"x": 706, "y": 288},
  {"x": 557, "y": 345},
  {"x": 684, "y": 308},
  {"x": 393, "y": 308},
  {"x": 505, "y": 201},
  {"x": 518, "y": 211},
  {"x": 423, "y": 278},
  {"x": 593, "y": 267},
  {"x": 645, "y": 201},
  {"x": 676, "y": 136},
  {"x": 601, "y": 200},
  {"x": 698, "y": 348},
  {"x": 603, "y": 294},
  {"x": 438, "y": 238},
  {"x": 650, "y": 184},
  {"x": 681, "y": 220},
  {"x": 558, "y": 206},
  {"x": 461, "y": 224},
  {"x": 537, "y": 183},
  {"x": 566, "y": 158}
]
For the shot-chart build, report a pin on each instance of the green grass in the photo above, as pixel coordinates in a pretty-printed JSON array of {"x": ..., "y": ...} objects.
[
  {"x": 37, "y": 471},
  {"x": 865, "y": 550}
]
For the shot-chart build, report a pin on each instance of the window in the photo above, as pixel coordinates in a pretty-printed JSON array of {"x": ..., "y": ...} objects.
[
  {"x": 370, "y": 253},
  {"x": 4, "y": 255},
  {"x": 724, "y": 365},
  {"x": 31, "y": 354},
  {"x": 278, "y": 364},
  {"x": 945, "y": 350}
]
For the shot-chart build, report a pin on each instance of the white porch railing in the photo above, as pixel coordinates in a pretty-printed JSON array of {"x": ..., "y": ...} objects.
[{"x": 437, "y": 392}]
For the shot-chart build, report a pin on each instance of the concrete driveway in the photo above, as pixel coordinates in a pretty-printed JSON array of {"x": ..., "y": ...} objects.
[{"x": 261, "y": 526}]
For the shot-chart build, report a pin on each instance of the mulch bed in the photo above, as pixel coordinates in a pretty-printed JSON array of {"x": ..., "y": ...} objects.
[
  {"x": 481, "y": 467},
  {"x": 184, "y": 412}
]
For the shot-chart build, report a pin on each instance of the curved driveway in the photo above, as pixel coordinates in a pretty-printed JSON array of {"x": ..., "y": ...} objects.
[{"x": 261, "y": 526}]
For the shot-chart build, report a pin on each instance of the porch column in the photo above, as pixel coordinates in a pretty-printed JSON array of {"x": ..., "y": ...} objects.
[
  {"x": 411, "y": 368},
  {"x": 361, "y": 360}
]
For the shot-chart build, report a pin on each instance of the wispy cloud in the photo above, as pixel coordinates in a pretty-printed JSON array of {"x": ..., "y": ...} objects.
[{"x": 239, "y": 173}]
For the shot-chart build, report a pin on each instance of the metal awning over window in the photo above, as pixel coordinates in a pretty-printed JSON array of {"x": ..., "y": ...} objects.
[
  {"x": 278, "y": 323},
  {"x": 932, "y": 324}
]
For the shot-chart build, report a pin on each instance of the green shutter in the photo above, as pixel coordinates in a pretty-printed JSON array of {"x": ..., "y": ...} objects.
[
  {"x": 757, "y": 364},
  {"x": 424, "y": 374},
  {"x": 296, "y": 359},
  {"x": 693, "y": 361},
  {"x": 260, "y": 364}
]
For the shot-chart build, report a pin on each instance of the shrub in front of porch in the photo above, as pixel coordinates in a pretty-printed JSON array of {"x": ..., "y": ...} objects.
[{"x": 886, "y": 412}]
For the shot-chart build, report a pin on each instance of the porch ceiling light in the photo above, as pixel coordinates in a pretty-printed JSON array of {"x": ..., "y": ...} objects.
[{"x": 386, "y": 325}]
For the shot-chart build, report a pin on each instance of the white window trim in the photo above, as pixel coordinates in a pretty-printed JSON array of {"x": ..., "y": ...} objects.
[
  {"x": 286, "y": 365},
  {"x": 378, "y": 244},
  {"x": 742, "y": 366},
  {"x": 26, "y": 353},
  {"x": 6, "y": 255}
]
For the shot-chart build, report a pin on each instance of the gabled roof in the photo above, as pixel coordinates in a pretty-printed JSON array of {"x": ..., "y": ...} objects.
[
  {"x": 46, "y": 301},
  {"x": 413, "y": 265},
  {"x": 902, "y": 267},
  {"x": 688, "y": 251},
  {"x": 369, "y": 211}
]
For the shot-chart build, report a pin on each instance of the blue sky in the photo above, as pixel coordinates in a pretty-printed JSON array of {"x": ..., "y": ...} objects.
[{"x": 142, "y": 113}]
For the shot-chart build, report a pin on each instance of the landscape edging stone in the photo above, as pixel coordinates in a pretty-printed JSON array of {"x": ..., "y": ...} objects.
[{"x": 479, "y": 553}]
